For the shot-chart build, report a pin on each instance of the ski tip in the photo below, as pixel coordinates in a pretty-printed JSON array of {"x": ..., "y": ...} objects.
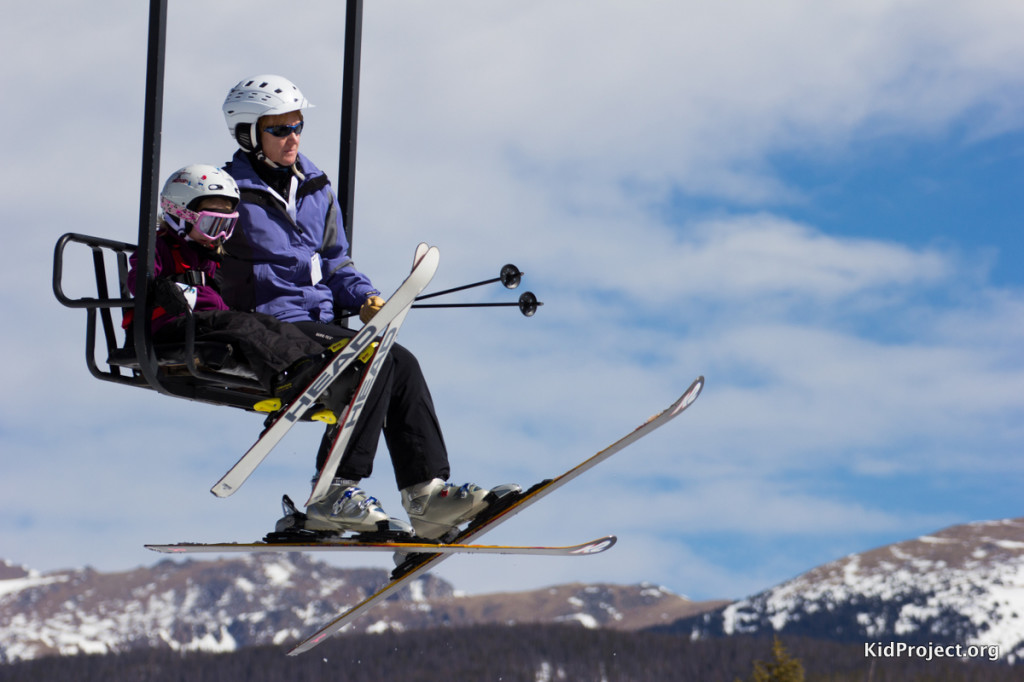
[
  {"x": 307, "y": 644},
  {"x": 691, "y": 393},
  {"x": 165, "y": 549},
  {"x": 421, "y": 250},
  {"x": 596, "y": 546}
]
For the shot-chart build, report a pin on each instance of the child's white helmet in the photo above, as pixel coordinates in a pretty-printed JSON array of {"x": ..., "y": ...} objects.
[{"x": 188, "y": 186}]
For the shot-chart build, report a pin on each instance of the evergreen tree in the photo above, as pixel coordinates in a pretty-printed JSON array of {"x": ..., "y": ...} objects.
[{"x": 782, "y": 667}]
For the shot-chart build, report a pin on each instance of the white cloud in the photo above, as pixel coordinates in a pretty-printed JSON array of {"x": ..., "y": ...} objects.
[
  {"x": 697, "y": 96},
  {"x": 553, "y": 135}
]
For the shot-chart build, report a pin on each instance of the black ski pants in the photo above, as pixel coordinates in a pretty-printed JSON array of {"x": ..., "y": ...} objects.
[
  {"x": 400, "y": 405},
  {"x": 268, "y": 345}
]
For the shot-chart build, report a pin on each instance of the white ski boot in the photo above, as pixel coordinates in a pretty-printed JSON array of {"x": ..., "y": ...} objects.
[
  {"x": 436, "y": 508},
  {"x": 346, "y": 507}
]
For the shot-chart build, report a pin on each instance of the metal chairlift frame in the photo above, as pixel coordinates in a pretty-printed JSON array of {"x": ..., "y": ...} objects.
[{"x": 200, "y": 383}]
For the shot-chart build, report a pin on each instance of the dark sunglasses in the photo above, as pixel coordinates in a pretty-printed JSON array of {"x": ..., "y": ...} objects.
[{"x": 283, "y": 130}]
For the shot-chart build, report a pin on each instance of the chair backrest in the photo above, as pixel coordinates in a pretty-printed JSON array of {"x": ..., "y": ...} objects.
[{"x": 204, "y": 371}]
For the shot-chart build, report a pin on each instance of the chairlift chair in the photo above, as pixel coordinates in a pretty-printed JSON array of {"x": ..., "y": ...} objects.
[{"x": 205, "y": 371}]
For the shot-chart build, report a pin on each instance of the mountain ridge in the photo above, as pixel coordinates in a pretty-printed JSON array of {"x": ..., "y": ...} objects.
[
  {"x": 225, "y": 604},
  {"x": 963, "y": 585}
]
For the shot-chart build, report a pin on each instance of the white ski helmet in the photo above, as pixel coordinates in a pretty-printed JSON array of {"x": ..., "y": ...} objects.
[
  {"x": 188, "y": 186},
  {"x": 264, "y": 95}
]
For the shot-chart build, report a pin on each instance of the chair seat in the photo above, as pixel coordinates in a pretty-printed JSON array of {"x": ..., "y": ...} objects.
[{"x": 211, "y": 355}]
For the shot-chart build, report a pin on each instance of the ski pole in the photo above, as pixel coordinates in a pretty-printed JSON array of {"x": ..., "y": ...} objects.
[
  {"x": 527, "y": 304},
  {"x": 510, "y": 276}
]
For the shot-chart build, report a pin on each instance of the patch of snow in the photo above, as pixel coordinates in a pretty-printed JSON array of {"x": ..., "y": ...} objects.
[
  {"x": 584, "y": 619},
  {"x": 900, "y": 554},
  {"x": 611, "y": 611},
  {"x": 779, "y": 620},
  {"x": 417, "y": 591},
  {"x": 380, "y": 627},
  {"x": 911, "y": 617},
  {"x": 279, "y": 574},
  {"x": 212, "y": 643},
  {"x": 873, "y": 624},
  {"x": 34, "y": 579},
  {"x": 282, "y": 636},
  {"x": 548, "y": 673},
  {"x": 936, "y": 541}
]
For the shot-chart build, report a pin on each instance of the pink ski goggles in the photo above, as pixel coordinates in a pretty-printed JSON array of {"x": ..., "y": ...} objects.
[
  {"x": 210, "y": 223},
  {"x": 215, "y": 225}
]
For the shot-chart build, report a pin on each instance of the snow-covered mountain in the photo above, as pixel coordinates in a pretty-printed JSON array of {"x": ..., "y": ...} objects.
[
  {"x": 226, "y": 604},
  {"x": 962, "y": 585}
]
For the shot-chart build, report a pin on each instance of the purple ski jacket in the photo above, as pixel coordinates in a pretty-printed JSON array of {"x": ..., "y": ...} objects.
[
  {"x": 174, "y": 255},
  {"x": 292, "y": 265}
]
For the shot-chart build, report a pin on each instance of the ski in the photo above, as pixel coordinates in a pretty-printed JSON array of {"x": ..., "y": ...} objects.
[
  {"x": 285, "y": 418},
  {"x": 501, "y": 509},
  {"x": 355, "y": 407},
  {"x": 410, "y": 547}
]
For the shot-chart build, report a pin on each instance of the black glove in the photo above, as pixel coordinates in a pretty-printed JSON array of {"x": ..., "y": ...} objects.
[{"x": 169, "y": 296}]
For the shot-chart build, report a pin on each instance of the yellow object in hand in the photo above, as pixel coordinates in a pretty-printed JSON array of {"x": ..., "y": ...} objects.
[{"x": 370, "y": 308}]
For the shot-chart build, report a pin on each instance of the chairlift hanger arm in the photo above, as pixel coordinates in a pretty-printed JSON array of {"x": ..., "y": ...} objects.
[{"x": 152, "y": 126}]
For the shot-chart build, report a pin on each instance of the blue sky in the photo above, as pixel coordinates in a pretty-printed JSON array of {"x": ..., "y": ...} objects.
[
  {"x": 922, "y": 191},
  {"x": 816, "y": 206}
]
